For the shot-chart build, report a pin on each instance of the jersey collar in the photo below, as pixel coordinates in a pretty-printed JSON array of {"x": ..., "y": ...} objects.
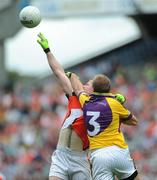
[{"x": 104, "y": 94}]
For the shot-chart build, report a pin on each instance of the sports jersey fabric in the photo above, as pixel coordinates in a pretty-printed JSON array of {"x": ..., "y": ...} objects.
[
  {"x": 74, "y": 118},
  {"x": 103, "y": 115}
]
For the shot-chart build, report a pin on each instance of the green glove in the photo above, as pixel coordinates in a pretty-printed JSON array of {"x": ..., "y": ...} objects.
[
  {"x": 120, "y": 98},
  {"x": 43, "y": 42},
  {"x": 68, "y": 74}
]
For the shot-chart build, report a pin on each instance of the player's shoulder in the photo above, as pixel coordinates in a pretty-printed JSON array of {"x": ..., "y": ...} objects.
[
  {"x": 83, "y": 94},
  {"x": 111, "y": 98},
  {"x": 113, "y": 101}
]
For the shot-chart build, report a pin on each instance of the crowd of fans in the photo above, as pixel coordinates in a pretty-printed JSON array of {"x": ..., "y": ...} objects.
[
  {"x": 141, "y": 93},
  {"x": 30, "y": 119},
  {"x": 29, "y": 124}
]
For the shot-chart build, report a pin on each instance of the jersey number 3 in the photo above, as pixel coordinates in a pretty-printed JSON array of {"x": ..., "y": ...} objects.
[{"x": 93, "y": 123}]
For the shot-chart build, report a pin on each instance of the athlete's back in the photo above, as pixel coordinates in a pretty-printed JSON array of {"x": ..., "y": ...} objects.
[{"x": 103, "y": 115}]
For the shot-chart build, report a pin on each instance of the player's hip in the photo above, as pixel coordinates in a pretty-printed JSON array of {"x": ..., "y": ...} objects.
[
  {"x": 67, "y": 163},
  {"x": 110, "y": 161}
]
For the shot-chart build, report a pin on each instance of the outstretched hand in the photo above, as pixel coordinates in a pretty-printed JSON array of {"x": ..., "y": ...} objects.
[{"x": 43, "y": 42}]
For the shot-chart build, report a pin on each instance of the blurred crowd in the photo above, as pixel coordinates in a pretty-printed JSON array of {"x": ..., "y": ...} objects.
[
  {"x": 30, "y": 119},
  {"x": 139, "y": 85}
]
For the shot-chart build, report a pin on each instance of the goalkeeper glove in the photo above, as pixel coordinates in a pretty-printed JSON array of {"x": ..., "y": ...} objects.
[
  {"x": 43, "y": 42},
  {"x": 120, "y": 98},
  {"x": 68, "y": 74}
]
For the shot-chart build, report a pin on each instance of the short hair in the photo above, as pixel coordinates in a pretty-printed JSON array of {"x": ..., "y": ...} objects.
[{"x": 101, "y": 84}]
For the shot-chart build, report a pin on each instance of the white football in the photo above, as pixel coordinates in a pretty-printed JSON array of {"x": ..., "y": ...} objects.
[{"x": 30, "y": 16}]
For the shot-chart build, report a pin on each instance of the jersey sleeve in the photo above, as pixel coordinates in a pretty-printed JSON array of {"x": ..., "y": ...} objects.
[
  {"x": 83, "y": 97},
  {"x": 123, "y": 112}
]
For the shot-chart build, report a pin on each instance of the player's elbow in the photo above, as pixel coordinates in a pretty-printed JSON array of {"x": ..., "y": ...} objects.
[
  {"x": 134, "y": 121},
  {"x": 131, "y": 122}
]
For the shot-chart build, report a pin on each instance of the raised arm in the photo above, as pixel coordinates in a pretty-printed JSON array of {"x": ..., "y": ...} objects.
[
  {"x": 76, "y": 84},
  {"x": 55, "y": 66}
]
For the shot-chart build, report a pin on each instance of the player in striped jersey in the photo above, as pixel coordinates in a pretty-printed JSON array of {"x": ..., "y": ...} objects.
[
  {"x": 103, "y": 115},
  {"x": 70, "y": 160}
]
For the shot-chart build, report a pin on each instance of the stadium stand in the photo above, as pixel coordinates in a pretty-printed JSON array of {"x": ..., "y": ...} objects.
[{"x": 30, "y": 118}]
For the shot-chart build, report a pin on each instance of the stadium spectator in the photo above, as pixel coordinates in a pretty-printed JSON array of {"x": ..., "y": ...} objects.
[{"x": 52, "y": 102}]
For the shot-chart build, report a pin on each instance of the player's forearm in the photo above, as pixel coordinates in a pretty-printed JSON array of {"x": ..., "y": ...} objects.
[
  {"x": 76, "y": 84},
  {"x": 131, "y": 122},
  {"x": 134, "y": 121},
  {"x": 54, "y": 64},
  {"x": 59, "y": 73}
]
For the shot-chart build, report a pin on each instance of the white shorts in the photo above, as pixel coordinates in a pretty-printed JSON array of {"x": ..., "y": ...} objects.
[
  {"x": 112, "y": 161},
  {"x": 67, "y": 164}
]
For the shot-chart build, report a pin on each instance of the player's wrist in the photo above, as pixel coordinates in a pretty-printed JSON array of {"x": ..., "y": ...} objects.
[{"x": 47, "y": 50}]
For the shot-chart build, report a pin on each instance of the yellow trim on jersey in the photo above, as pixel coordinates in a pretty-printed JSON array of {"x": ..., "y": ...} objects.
[
  {"x": 104, "y": 94},
  {"x": 103, "y": 140},
  {"x": 83, "y": 97},
  {"x": 111, "y": 135}
]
